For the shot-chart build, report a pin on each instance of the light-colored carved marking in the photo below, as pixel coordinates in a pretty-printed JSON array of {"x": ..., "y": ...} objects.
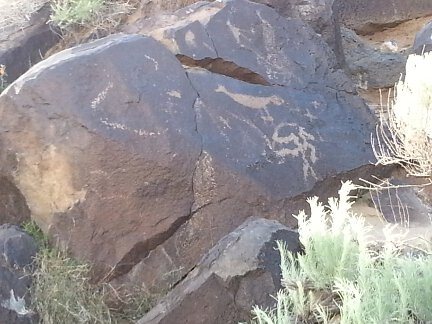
[
  {"x": 174, "y": 93},
  {"x": 251, "y": 101},
  {"x": 113, "y": 125},
  {"x": 156, "y": 64},
  {"x": 101, "y": 96},
  {"x": 190, "y": 38},
  {"x": 310, "y": 116},
  {"x": 268, "y": 118},
  {"x": 235, "y": 31},
  {"x": 123, "y": 127},
  {"x": 224, "y": 122},
  {"x": 300, "y": 146}
]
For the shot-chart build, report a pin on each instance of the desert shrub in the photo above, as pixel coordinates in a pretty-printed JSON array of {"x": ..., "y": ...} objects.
[
  {"x": 91, "y": 14},
  {"x": 343, "y": 278},
  {"x": 404, "y": 135}
]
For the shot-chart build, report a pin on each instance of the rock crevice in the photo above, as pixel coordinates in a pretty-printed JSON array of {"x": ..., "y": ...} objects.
[{"x": 227, "y": 68}]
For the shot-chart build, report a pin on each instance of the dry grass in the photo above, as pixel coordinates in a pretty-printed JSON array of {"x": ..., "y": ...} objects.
[
  {"x": 99, "y": 15},
  {"x": 404, "y": 135},
  {"x": 62, "y": 291}
]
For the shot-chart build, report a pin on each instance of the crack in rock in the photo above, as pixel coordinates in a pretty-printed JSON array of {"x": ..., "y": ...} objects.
[
  {"x": 227, "y": 68},
  {"x": 142, "y": 249}
]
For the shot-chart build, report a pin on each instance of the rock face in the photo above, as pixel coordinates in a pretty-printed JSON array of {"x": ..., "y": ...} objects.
[
  {"x": 25, "y": 47},
  {"x": 140, "y": 161},
  {"x": 241, "y": 271},
  {"x": 319, "y": 14},
  {"x": 105, "y": 157},
  {"x": 17, "y": 250},
  {"x": 423, "y": 40},
  {"x": 368, "y": 16},
  {"x": 370, "y": 67}
]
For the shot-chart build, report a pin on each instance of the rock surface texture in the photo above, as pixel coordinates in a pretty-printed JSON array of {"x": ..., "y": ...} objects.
[
  {"x": 13, "y": 206},
  {"x": 140, "y": 153},
  {"x": 25, "y": 47},
  {"x": 371, "y": 67},
  {"x": 423, "y": 39},
  {"x": 241, "y": 271},
  {"x": 368, "y": 16},
  {"x": 17, "y": 250},
  {"x": 321, "y": 15}
]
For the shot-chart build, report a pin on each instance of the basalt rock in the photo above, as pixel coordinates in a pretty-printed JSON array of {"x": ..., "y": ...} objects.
[
  {"x": 25, "y": 47},
  {"x": 139, "y": 153},
  {"x": 241, "y": 271},
  {"x": 423, "y": 40},
  {"x": 17, "y": 250},
  {"x": 369, "y": 16}
]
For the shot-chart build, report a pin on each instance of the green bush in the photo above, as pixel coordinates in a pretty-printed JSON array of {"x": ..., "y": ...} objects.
[{"x": 343, "y": 278}]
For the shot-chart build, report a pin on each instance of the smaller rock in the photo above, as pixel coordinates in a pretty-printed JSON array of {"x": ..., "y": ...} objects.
[
  {"x": 241, "y": 271},
  {"x": 370, "y": 16},
  {"x": 423, "y": 39},
  {"x": 25, "y": 47},
  {"x": 370, "y": 67},
  {"x": 402, "y": 205},
  {"x": 17, "y": 250}
]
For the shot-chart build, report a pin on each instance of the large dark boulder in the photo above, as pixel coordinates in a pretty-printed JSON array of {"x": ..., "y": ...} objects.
[
  {"x": 105, "y": 157},
  {"x": 369, "y": 16},
  {"x": 140, "y": 161},
  {"x": 241, "y": 271}
]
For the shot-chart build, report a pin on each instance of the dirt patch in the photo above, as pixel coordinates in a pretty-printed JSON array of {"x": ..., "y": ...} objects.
[
  {"x": 403, "y": 34},
  {"x": 15, "y": 15}
]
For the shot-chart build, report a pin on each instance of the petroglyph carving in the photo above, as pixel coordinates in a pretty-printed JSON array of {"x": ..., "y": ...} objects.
[
  {"x": 249, "y": 101},
  {"x": 288, "y": 139},
  {"x": 295, "y": 142}
]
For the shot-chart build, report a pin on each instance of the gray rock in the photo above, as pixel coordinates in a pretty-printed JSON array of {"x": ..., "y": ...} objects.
[
  {"x": 239, "y": 272},
  {"x": 25, "y": 47},
  {"x": 17, "y": 250},
  {"x": 423, "y": 39},
  {"x": 403, "y": 205},
  {"x": 369, "y": 16},
  {"x": 321, "y": 15},
  {"x": 370, "y": 67}
]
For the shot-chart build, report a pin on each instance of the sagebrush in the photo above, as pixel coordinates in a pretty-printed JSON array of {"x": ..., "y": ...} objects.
[
  {"x": 404, "y": 135},
  {"x": 343, "y": 278}
]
